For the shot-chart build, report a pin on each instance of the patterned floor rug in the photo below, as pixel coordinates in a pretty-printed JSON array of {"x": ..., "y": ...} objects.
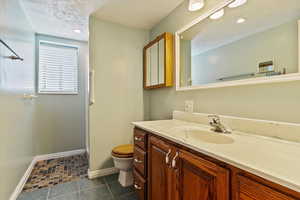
[{"x": 55, "y": 171}]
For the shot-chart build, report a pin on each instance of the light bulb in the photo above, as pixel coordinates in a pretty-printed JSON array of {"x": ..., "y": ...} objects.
[
  {"x": 240, "y": 20},
  {"x": 196, "y": 5},
  {"x": 237, "y": 3}
]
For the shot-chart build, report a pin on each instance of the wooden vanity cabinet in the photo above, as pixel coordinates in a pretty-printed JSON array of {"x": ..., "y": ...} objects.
[
  {"x": 140, "y": 185},
  {"x": 249, "y": 189},
  {"x": 160, "y": 173},
  {"x": 201, "y": 179},
  {"x": 175, "y": 174},
  {"x": 171, "y": 171},
  {"x": 140, "y": 165}
]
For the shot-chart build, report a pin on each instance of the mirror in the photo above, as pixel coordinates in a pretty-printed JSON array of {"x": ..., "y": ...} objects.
[{"x": 252, "y": 43}]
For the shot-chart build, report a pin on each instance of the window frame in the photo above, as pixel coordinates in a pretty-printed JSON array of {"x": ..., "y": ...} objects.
[{"x": 38, "y": 67}]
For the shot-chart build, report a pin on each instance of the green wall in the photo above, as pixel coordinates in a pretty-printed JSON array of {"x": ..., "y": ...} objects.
[
  {"x": 278, "y": 101},
  {"x": 61, "y": 119},
  {"x": 16, "y": 115},
  {"x": 116, "y": 55}
]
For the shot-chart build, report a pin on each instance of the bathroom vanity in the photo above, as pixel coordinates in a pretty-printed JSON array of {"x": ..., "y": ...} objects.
[{"x": 183, "y": 159}]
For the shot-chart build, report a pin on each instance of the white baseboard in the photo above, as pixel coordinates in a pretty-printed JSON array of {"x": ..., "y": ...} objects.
[
  {"x": 102, "y": 172},
  {"x": 35, "y": 159},
  {"x": 59, "y": 155},
  {"x": 23, "y": 181}
]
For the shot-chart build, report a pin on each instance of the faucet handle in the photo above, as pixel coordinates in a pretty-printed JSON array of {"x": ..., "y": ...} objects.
[{"x": 215, "y": 118}]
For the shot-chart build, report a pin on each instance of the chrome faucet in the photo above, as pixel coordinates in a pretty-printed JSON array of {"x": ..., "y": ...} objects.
[{"x": 217, "y": 125}]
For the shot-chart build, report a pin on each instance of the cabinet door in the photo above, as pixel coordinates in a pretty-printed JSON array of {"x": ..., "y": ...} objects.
[
  {"x": 161, "y": 61},
  {"x": 147, "y": 73},
  {"x": 159, "y": 170},
  {"x": 200, "y": 179},
  {"x": 139, "y": 185},
  {"x": 154, "y": 64},
  {"x": 252, "y": 190}
]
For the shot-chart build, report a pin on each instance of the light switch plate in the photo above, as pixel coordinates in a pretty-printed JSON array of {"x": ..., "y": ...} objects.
[{"x": 189, "y": 106}]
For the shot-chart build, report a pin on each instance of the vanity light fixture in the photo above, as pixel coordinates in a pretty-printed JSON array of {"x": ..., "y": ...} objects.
[
  {"x": 195, "y": 5},
  {"x": 237, "y": 3},
  {"x": 77, "y": 30},
  {"x": 218, "y": 14},
  {"x": 240, "y": 20}
]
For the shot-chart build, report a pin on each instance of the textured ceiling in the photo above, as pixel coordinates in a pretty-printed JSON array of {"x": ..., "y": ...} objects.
[
  {"x": 136, "y": 13},
  {"x": 61, "y": 17}
]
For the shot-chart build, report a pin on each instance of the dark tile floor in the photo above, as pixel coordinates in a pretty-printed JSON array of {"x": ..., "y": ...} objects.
[
  {"x": 66, "y": 179},
  {"x": 105, "y": 188}
]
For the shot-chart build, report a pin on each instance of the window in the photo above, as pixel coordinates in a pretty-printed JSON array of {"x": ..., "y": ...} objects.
[{"x": 58, "y": 68}]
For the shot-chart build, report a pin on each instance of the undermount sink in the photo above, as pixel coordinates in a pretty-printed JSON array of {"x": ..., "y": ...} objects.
[{"x": 195, "y": 134}]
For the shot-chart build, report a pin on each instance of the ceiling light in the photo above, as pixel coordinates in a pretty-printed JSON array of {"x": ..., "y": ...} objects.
[
  {"x": 237, "y": 3},
  {"x": 240, "y": 20},
  {"x": 196, "y": 5},
  {"x": 77, "y": 31},
  {"x": 218, "y": 14}
]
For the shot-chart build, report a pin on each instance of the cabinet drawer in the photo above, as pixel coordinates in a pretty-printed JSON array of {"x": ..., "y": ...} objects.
[
  {"x": 251, "y": 190},
  {"x": 140, "y": 161},
  {"x": 140, "y": 185},
  {"x": 140, "y": 138}
]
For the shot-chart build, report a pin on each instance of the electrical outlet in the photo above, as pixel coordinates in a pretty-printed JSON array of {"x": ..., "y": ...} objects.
[{"x": 189, "y": 106}]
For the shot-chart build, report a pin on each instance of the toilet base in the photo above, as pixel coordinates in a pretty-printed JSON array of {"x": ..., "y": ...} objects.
[{"x": 126, "y": 178}]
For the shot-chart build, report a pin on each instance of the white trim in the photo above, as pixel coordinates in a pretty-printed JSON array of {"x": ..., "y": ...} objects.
[
  {"x": 299, "y": 46},
  {"x": 58, "y": 44},
  {"x": 250, "y": 81},
  {"x": 23, "y": 181},
  {"x": 219, "y": 6},
  {"x": 59, "y": 155},
  {"x": 36, "y": 159},
  {"x": 253, "y": 81},
  {"x": 102, "y": 172}
]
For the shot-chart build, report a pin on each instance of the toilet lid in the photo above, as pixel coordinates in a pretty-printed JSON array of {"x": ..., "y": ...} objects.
[{"x": 123, "y": 151}]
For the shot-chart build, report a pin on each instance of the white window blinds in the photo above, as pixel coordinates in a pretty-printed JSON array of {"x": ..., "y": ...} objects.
[{"x": 58, "y": 69}]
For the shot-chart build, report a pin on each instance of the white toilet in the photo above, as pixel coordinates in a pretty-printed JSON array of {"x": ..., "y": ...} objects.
[{"x": 123, "y": 160}]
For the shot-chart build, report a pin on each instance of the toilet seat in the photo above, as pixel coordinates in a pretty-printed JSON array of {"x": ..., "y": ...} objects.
[{"x": 123, "y": 151}]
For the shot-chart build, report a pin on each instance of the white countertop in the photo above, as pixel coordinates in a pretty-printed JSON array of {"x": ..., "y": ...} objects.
[{"x": 273, "y": 159}]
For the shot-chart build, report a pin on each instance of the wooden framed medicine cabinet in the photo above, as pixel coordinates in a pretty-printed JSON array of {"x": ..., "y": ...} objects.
[{"x": 158, "y": 61}]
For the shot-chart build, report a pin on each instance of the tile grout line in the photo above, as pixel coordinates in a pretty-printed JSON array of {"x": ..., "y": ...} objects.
[
  {"x": 107, "y": 185},
  {"x": 127, "y": 194},
  {"x": 63, "y": 194},
  {"x": 48, "y": 193},
  {"x": 79, "y": 193},
  {"x": 60, "y": 195}
]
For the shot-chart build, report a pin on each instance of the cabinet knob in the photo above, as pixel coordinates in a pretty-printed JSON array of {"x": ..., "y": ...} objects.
[
  {"x": 168, "y": 156},
  {"x": 137, "y": 187},
  {"x": 137, "y": 160},
  {"x": 174, "y": 160},
  {"x": 138, "y": 139}
]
